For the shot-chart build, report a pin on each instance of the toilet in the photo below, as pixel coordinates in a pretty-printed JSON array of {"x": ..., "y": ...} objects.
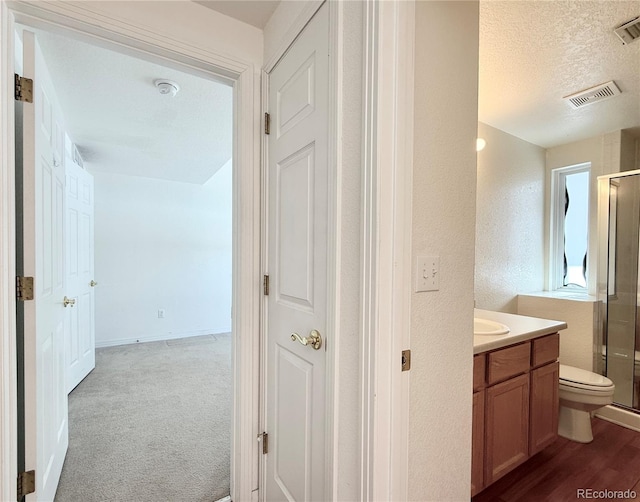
[{"x": 581, "y": 392}]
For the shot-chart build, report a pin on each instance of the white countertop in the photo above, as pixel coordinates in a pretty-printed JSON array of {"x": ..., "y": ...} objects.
[{"x": 521, "y": 328}]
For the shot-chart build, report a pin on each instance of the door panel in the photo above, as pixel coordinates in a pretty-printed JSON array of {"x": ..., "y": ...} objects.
[
  {"x": 294, "y": 230},
  {"x": 293, "y": 425},
  {"x": 80, "y": 332},
  {"x": 297, "y": 264},
  {"x": 46, "y": 423}
]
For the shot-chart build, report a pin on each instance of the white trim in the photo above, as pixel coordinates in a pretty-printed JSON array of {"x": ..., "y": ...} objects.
[
  {"x": 85, "y": 23},
  {"x": 388, "y": 170},
  {"x": 292, "y": 33},
  {"x": 161, "y": 338},
  {"x": 8, "y": 371},
  {"x": 556, "y": 228},
  {"x": 334, "y": 246},
  {"x": 619, "y": 416}
]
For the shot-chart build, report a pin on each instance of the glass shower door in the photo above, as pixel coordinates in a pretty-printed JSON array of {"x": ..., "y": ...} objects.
[{"x": 621, "y": 337}]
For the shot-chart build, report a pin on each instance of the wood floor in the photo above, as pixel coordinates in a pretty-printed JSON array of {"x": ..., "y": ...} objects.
[{"x": 610, "y": 462}]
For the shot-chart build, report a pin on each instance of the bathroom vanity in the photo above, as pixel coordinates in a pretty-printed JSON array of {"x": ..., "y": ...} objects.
[{"x": 515, "y": 394}]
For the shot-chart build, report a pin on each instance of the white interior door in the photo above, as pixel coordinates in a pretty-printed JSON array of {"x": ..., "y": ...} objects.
[
  {"x": 46, "y": 422},
  {"x": 297, "y": 266},
  {"x": 80, "y": 320}
]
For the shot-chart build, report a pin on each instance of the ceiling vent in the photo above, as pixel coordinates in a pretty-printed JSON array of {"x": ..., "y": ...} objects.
[
  {"x": 629, "y": 31},
  {"x": 597, "y": 93}
]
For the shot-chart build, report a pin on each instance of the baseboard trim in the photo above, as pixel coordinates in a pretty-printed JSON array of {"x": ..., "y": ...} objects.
[
  {"x": 620, "y": 416},
  {"x": 159, "y": 338}
]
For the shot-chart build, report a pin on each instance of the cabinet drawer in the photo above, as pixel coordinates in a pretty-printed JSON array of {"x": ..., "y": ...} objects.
[
  {"x": 479, "y": 362},
  {"x": 545, "y": 350},
  {"x": 509, "y": 362}
]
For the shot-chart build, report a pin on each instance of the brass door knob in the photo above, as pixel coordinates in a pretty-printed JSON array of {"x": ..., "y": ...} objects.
[
  {"x": 68, "y": 301},
  {"x": 314, "y": 339},
  {"x": 93, "y": 283}
]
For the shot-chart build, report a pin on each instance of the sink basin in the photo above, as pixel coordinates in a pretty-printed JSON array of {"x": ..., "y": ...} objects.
[{"x": 487, "y": 327}]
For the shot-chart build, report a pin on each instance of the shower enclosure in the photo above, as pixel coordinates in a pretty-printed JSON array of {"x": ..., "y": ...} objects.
[{"x": 618, "y": 284}]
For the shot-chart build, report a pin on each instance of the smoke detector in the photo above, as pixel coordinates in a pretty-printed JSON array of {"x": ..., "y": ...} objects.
[
  {"x": 593, "y": 94},
  {"x": 167, "y": 87},
  {"x": 629, "y": 31}
]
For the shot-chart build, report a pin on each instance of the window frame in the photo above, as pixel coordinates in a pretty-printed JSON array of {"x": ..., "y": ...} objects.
[{"x": 556, "y": 248}]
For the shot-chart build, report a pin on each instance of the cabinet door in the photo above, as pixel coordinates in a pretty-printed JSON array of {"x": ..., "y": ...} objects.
[
  {"x": 507, "y": 427},
  {"x": 477, "y": 444},
  {"x": 544, "y": 407}
]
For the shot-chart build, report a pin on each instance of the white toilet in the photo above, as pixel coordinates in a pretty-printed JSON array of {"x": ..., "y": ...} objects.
[{"x": 581, "y": 392}]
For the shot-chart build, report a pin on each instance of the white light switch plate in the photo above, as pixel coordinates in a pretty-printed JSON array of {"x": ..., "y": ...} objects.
[{"x": 427, "y": 273}]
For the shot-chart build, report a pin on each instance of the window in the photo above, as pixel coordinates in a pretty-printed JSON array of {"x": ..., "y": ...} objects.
[{"x": 569, "y": 227}]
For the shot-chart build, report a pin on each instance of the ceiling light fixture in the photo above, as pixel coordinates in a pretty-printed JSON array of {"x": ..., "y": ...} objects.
[
  {"x": 167, "y": 87},
  {"x": 480, "y": 144}
]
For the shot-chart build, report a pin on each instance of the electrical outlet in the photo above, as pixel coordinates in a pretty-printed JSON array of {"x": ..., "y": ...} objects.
[
  {"x": 161, "y": 314},
  {"x": 427, "y": 273}
]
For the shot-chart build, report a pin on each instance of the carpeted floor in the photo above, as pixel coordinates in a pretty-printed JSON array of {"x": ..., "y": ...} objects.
[{"x": 152, "y": 423}]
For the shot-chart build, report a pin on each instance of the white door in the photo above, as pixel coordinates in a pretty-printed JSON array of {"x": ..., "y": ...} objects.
[
  {"x": 46, "y": 423},
  {"x": 297, "y": 267},
  {"x": 80, "y": 321}
]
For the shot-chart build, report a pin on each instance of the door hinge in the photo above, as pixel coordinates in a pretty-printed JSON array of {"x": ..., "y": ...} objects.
[
  {"x": 24, "y": 288},
  {"x": 406, "y": 360},
  {"x": 267, "y": 123},
  {"x": 23, "y": 89},
  {"x": 26, "y": 483},
  {"x": 264, "y": 438},
  {"x": 265, "y": 285}
]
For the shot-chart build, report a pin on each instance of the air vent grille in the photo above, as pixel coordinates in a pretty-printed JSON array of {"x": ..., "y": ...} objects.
[
  {"x": 629, "y": 31},
  {"x": 593, "y": 94}
]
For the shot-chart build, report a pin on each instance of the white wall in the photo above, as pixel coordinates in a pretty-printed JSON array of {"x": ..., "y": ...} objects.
[
  {"x": 162, "y": 245},
  {"x": 509, "y": 220},
  {"x": 444, "y": 210},
  {"x": 186, "y": 22}
]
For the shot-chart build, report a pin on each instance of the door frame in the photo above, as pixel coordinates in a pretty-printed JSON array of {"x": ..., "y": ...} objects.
[
  {"x": 242, "y": 75},
  {"x": 385, "y": 261}
]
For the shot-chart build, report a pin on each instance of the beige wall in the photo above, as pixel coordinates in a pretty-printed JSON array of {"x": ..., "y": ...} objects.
[
  {"x": 509, "y": 220},
  {"x": 581, "y": 316},
  {"x": 444, "y": 180}
]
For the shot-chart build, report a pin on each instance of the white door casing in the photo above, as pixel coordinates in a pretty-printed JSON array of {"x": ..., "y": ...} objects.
[
  {"x": 297, "y": 267},
  {"x": 46, "y": 418},
  {"x": 80, "y": 339}
]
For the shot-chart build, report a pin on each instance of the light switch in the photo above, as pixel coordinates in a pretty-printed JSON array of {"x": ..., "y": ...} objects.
[{"x": 427, "y": 273}]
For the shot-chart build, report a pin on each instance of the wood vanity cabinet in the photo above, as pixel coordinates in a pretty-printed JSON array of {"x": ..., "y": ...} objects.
[{"x": 515, "y": 407}]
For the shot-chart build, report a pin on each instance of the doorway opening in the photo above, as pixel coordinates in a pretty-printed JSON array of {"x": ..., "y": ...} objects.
[{"x": 163, "y": 251}]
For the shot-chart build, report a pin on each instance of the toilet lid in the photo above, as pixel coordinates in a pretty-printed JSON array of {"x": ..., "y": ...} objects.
[{"x": 584, "y": 377}]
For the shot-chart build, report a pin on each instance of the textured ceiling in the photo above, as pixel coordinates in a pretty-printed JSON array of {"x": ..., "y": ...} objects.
[
  {"x": 253, "y": 12},
  {"x": 122, "y": 124},
  {"x": 535, "y": 52}
]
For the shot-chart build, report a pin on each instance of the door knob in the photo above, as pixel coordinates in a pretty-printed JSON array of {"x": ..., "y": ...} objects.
[
  {"x": 314, "y": 339},
  {"x": 68, "y": 301},
  {"x": 93, "y": 283}
]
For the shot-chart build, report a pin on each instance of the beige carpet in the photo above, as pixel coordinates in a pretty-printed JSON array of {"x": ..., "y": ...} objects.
[{"x": 152, "y": 423}]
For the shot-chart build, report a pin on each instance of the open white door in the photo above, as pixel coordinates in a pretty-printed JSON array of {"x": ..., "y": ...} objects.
[
  {"x": 80, "y": 321},
  {"x": 46, "y": 422},
  {"x": 297, "y": 267}
]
